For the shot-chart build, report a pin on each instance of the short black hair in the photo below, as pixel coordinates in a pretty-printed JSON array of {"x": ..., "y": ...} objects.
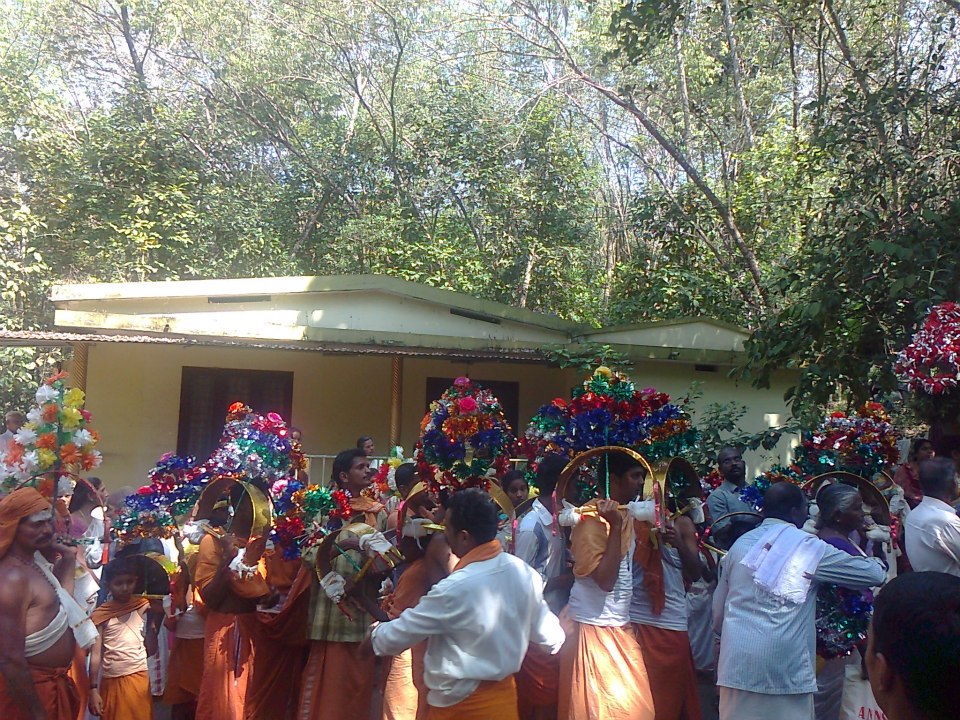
[
  {"x": 127, "y": 565},
  {"x": 938, "y": 476},
  {"x": 362, "y": 440},
  {"x": 344, "y": 461},
  {"x": 474, "y": 511},
  {"x": 916, "y": 445},
  {"x": 511, "y": 477},
  {"x": 620, "y": 463},
  {"x": 405, "y": 476},
  {"x": 916, "y": 627},
  {"x": 733, "y": 448},
  {"x": 782, "y": 499},
  {"x": 548, "y": 473}
]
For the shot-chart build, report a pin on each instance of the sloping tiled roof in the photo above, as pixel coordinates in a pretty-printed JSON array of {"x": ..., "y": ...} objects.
[{"x": 49, "y": 338}]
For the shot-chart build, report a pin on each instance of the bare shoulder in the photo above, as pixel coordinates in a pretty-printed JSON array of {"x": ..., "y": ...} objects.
[{"x": 14, "y": 581}]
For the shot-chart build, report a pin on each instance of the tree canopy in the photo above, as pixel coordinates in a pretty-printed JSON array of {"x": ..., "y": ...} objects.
[{"x": 790, "y": 167}]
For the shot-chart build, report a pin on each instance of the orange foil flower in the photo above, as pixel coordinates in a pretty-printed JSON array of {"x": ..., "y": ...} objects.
[
  {"x": 50, "y": 412},
  {"x": 47, "y": 441},
  {"x": 70, "y": 454}
]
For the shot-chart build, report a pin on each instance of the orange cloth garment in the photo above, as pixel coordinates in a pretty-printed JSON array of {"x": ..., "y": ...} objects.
[
  {"x": 112, "y": 609},
  {"x": 78, "y": 673},
  {"x": 673, "y": 679},
  {"x": 127, "y": 697},
  {"x": 16, "y": 506},
  {"x": 492, "y": 700},
  {"x": 227, "y": 662},
  {"x": 280, "y": 643},
  {"x": 371, "y": 510},
  {"x": 280, "y": 572},
  {"x": 590, "y": 538},
  {"x": 184, "y": 671},
  {"x": 58, "y": 694},
  {"x": 209, "y": 556},
  {"x": 603, "y": 676},
  {"x": 538, "y": 681},
  {"x": 338, "y": 682},
  {"x": 485, "y": 551},
  {"x": 404, "y": 691},
  {"x": 646, "y": 554}
]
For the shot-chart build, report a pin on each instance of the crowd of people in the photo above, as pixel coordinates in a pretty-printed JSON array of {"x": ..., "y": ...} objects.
[{"x": 448, "y": 605}]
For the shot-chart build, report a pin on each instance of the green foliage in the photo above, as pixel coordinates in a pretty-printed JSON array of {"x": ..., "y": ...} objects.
[
  {"x": 719, "y": 426},
  {"x": 788, "y": 167},
  {"x": 586, "y": 356}
]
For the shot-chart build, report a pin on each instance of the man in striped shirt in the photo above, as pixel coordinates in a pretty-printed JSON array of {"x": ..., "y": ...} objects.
[{"x": 764, "y": 609}]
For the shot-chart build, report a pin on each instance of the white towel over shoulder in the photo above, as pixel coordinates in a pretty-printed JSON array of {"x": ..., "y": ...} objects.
[{"x": 784, "y": 561}]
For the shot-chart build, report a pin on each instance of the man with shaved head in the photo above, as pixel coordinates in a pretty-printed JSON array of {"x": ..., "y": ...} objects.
[{"x": 764, "y": 610}]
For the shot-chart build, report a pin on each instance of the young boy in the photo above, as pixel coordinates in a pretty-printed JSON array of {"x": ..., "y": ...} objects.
[{"x": 119, "y": 682}]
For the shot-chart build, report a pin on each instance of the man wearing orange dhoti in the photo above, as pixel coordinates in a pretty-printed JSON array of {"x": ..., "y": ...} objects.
[
  {"x": 662, "y": 564},
  {"x": 36, "y": 614},
  {"x": 602, "y": 673},
  {"x": 280, "y": 640},
  {"x": 185, "y": 668},
  {"x": 541, "y": 545},
  {"x": 477, "y": 622},
  {"x": 119, "y": 683},
  {"x": 405, "y": 692},
  {"x": 230, "y": 583},
  {"x": 338, "y": 681}
]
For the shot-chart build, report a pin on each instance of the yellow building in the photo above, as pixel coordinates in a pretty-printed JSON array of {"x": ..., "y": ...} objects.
[{"x": 341, "y": 357}]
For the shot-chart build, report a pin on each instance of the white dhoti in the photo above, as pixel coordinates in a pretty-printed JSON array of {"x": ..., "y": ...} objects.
[
  {"x": 829, "y": 695},
  {"x": 746, "y": 705}
]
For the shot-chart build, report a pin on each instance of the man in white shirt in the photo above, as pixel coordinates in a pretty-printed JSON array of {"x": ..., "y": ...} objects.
[
  {"x": 932, "y": 528},
  {"x": 13, "y": 421},
  {"x": 764, "y": 610},
  {"x": 478, "y": 621}
]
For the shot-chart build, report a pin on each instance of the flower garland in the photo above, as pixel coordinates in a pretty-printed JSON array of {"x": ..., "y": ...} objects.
[
  {"x": 252, "y": 447},
  {"x": 547, "y": 433},
  {"x": 463, "y": 437},
  {"x": 608, "y": 410},
  {"x": 931, "y": 362},
  {"x": 753, "y": 493},
  {"x": 55, "y": 439},
  {"x": 862, "y": 444},
  {"x": 711, "y": 481},
  {"x": 843, "y": 617},
  {"x": 384, "y": 484}
]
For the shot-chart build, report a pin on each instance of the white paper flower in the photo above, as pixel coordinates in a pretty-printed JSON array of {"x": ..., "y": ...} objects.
[
  {"x": 29, "y": 464},
  {"x": 95, "y": 459},
  {"x": 35, "y": 417},
  {"x": 65, "y": 486},
  {"x": 82, "y": 438},
  {"x": 46, "y": 393},
  {"x": 25, "y": 436}
]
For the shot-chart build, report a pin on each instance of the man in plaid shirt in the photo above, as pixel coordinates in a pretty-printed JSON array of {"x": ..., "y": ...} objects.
[{"x": 338, "y": 679}]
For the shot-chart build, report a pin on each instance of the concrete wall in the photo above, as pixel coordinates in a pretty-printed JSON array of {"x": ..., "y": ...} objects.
[{"x": 133, "y": 392}]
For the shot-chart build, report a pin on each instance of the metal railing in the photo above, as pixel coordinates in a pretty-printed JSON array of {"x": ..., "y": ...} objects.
[{"x": 319, "y": 467}]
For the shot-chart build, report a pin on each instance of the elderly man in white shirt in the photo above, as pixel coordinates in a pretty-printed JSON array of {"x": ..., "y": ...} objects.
[
  {"x": 765, "y": 607},
  {"x": 477, "y": 622},
  {"x": 932, "y": 528}
]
